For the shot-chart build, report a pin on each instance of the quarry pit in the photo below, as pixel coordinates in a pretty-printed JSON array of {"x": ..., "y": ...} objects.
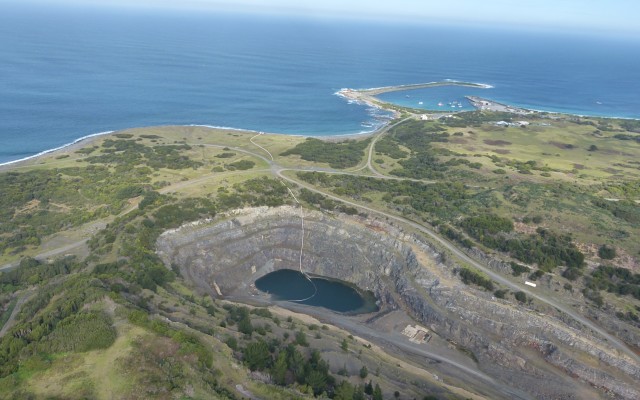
[{"x": 410, "y": 281}]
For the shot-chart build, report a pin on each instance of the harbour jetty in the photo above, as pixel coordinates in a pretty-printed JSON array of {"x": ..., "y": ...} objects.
[
  {"x": 490, "y": 105},
  {"x": 368, "y": 96}
]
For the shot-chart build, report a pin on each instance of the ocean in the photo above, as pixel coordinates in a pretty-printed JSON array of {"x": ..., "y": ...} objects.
[{"x": 69, "y": 72}]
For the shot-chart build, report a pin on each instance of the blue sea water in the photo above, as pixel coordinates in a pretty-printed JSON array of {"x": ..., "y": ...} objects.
[
  {"x": 69, "y": 72},
  {"x": 441, "y": 98}
]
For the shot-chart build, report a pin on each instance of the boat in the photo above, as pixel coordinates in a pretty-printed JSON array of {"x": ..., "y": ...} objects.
[
  {"x": 420, "y": 103},
  {"x": 440, "y": 104}
]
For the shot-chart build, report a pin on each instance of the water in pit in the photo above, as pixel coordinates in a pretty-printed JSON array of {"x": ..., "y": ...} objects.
[{"x": 333, "y": 294}]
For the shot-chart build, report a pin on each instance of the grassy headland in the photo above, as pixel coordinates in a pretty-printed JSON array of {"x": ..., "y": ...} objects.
[{"x": 557, "y": 198}]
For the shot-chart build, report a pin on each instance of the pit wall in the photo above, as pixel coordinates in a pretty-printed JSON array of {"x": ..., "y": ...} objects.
[{"x": 405, "y": 272}]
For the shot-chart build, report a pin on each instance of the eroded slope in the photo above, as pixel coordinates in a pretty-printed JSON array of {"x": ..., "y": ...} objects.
[{"x": 512, "y": 343}]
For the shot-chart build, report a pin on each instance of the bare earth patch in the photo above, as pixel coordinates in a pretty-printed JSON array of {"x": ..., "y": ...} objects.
[
  {"x": 458, "y": 141},
  {"x": 521, "y": 227},
  {"x": 564, "y": 146},
  {"x": 30, "y": 206},
  {"x": 497, "y": 142},
  {"x": 623, "y": 259},
  {"x": 501, "y": 151}
]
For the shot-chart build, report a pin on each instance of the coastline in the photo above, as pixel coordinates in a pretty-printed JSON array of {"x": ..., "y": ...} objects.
[
  {"x": 89, "y": 139},
  {"x": 364, "y": 97},
  {"x": 369, "y": 97},
  {"x": 63, "y": 147}
]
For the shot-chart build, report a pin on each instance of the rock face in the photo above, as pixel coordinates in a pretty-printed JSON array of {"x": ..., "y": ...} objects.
[
  {"x": 236, "y": 252},
  {"x": 537, "y": 353}
]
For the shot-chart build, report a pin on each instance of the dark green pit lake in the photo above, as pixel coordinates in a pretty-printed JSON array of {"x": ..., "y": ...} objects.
[{"x": 333, "y": 294}]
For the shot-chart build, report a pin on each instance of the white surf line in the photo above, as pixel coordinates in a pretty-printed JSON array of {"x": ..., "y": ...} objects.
[
  {"x": 42, "y": 153},
  {"x": 256, "y": 144}
]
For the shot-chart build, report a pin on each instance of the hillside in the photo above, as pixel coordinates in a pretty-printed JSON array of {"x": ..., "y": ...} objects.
[{"x": 129, "y": 262}]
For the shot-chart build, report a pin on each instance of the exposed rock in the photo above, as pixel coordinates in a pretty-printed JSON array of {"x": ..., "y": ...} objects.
[{"x": 512, "y": 342}]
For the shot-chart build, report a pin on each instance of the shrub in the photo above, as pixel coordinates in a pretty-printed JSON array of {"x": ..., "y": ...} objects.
[
  {"x": 245, "y": 326},
  {"x": 81, "y": 332},
  {"x": 232, "y": 342},
  {"x": 572, "y": 273},
  {"x": 519, "y": 269},
  {"x": 242, "y": 165},
  {"x": 535, "y": 275},
  {"x": 468, "y": 276},
  {"x": 337, "y": 155},
  {"x": 225, "y": 155},
  {"x": 607, "y": 252},
  {"x": 301, "y": 339},
  {"x": 500, "y": 293}
]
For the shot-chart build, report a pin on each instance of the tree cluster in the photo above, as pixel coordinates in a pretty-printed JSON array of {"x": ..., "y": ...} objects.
[
  {"x": 338, "y": 155},
  {"x": 616, "y": 280},
  {"x": 471, "y": 277}
]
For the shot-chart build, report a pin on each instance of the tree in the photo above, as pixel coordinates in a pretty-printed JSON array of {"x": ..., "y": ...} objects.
[
  {"x": 279, "y": 370},
  {"x": 344, "y": 391},
  {"x": 377, "y": 393},
  {"x": 257, "y": 356},
  {"x": 364, "y": 372},
  {"x": 244, "y": 326},
  {"x": 358, "y": 393},
  {"x": 296, "y": 362},
  {"x": 368, "y": 388},
  {"x": 345, "y": 345},
  {"x": 317, "y": 380},
  {"x": 521, "y": 297}
]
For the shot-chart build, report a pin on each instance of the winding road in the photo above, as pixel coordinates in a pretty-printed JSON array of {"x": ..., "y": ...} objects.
[
  {"x": 614, "y": 341},
  {"x": 278, "y": 170}
]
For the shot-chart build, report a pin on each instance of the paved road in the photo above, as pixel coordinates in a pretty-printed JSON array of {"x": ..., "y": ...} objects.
[
  {"x": 398, "y": 346},
  {"x": 277, "y": 170},
  {"x": 7, "y": 325},
  {"x": 614, "y": 341},
  {"x": 48, "y": 254},
  {"x": 372, "y": 146},
  {"x": 495, "y": 276}
]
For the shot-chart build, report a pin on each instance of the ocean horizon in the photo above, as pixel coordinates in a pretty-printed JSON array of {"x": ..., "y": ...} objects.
[{"x": 71, "y": 72}]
